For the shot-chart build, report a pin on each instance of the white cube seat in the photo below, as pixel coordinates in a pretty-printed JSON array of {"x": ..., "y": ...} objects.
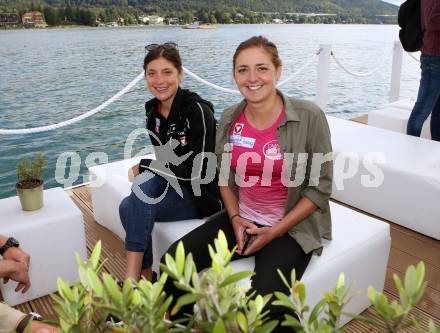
[
  {"x": 109, "y": 185},
  {"x": 51, "y": 236},
  {"x": 394, "y": 117},
  {"x": 409, "y": 192},
  {"x": 359, "y": 248}
]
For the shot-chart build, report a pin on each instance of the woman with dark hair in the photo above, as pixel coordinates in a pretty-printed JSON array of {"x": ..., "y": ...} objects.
[
  {"x": 277, "y": 204},
  {"x": 181, "y": 126}
]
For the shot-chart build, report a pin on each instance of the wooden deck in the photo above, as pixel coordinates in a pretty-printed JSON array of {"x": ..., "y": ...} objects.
[{"x": 407, "y": 247}]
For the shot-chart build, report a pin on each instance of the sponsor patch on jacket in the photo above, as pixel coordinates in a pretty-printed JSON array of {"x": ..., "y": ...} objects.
[
  {"x": 238, "y": 128},
  {"x": 182, "y": 138},
  {"x": 242, "y": 141}
]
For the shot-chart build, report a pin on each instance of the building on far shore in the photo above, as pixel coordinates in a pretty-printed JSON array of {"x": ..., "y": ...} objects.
[
  {"x": 9, "y": 20},
  {"x": 33, "y": 20},
  {"x": 151, "y": 20}
]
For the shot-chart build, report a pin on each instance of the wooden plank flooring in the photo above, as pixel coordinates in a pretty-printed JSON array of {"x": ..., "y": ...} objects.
[{"x": 408, "y": 247}]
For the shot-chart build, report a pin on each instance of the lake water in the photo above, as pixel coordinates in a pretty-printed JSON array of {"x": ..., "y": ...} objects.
[{"x": 51, "y": 75}]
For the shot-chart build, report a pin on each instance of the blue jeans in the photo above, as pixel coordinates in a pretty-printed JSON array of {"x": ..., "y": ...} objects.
[
  {"x": 138, "y": 216},
  {"x": 428, "y": 100}
]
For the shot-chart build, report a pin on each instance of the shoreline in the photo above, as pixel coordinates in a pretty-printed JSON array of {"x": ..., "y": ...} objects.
[{"x": 180, "y": 26}]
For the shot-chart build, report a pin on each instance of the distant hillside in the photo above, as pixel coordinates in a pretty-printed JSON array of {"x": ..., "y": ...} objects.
[
  {"x": 356, "y": 7},
  {"x": 130, "y": 12}
]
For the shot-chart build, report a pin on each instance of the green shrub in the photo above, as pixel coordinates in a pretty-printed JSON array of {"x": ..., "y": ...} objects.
[{"x": 219, "y": 304}]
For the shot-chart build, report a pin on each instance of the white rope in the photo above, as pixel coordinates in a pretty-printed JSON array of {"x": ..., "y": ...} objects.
[
  {"x": 76, "y": 119},
  {"x": 299, "y": 70},
  {"x": 233, "y": 91},
  {"x": 412, "y": 56},
  {"x": 345, "y": 69},
  {"x": 212, "y": 85},
  {"x": 124, "y": 91}
]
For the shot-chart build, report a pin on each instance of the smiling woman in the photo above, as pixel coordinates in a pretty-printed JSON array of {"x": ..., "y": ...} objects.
[
  {"x": 182, "y": 120},
  {"x": 279, "y": 223}
]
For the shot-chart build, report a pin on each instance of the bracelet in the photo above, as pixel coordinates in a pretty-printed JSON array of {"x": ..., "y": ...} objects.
[{"x": 234, "y": 216}]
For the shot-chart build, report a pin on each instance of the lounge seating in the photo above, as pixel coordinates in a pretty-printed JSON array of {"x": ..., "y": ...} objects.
[
  {"x": 394, "y": 117},
  {"x": 109, "y": 185},
  {"x": 359, "y": 248},
  {"x": 410, "y": 189}
]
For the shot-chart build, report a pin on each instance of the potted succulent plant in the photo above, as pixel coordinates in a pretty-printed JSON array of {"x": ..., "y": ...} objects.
[{"x": 30, "y": 182}]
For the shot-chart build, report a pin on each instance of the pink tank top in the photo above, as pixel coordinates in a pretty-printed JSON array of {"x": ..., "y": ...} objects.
[{"x": 257, "y": 159}]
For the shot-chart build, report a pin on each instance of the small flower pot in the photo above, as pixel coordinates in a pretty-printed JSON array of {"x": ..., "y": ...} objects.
[{"x": 30, "y": 194}]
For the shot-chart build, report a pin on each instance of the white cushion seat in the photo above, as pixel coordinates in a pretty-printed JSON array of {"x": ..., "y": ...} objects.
[
  {"x": 359, "y": 248},
  {"x": 410, "y": 189}
]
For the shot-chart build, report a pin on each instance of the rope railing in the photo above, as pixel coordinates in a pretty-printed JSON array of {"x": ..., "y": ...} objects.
[
  {"x": 412, "y": 56},
  {"x": 345, "y": 69},
  {"x": 209, "y": 84},
  {"x": 300, "y": 69},
  {"x": 234, "y": 91},
  {"x": 126, "y": 89},
  {"x": 114, "y": 98}
]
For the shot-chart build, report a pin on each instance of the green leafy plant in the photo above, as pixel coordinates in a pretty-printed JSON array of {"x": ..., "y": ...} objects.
[
  {"x": 30, "y": 171},
  {"x": 85, "y": 306},
  {"x": 396, "y": 315},
  {"x": 324, "y": 317},
  {"x": 218, "y": 304}
]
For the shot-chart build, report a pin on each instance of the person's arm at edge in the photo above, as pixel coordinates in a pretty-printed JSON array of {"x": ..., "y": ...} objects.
[{"x": 9, "y": 317}]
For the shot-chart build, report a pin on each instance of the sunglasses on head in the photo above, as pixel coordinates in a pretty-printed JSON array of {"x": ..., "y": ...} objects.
[{"x": 165, "y": 46}]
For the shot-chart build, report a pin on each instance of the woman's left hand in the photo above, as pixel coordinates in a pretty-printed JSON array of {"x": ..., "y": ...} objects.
[{"x": 260, "y": 238}]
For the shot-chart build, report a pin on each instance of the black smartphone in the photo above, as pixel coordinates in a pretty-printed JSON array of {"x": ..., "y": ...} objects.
[{"x": 246, "y": 240}]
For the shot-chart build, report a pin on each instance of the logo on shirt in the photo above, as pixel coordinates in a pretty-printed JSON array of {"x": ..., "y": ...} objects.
[
  {"x": 157, "y": 125},
  {"x": 272, "y": 150},
  {"x": 171, "y": 129},
  {"x": 182, "y": 138},
  {"x": 238, "y": 128}
]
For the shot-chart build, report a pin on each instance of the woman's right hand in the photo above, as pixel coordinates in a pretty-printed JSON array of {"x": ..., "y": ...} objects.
[
  {"x": 133, "y": 172},
  {"x": 240, "y": 224}
]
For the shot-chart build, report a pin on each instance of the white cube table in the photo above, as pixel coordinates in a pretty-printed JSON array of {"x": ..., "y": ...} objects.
[
  {"x": 394, "y": 117},
  {"x": 51, "y": 236}
]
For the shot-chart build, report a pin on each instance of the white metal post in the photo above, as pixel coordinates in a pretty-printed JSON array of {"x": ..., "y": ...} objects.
[
  {"x": 396, "y": 72},
  {"x": 323, "y": 76}
]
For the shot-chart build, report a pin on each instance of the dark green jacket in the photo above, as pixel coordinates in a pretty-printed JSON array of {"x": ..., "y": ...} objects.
[{"x": 304, "y": 130}]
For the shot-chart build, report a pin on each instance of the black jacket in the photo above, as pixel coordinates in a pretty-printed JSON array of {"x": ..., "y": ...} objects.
[{"x": 191, "y": 122}]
